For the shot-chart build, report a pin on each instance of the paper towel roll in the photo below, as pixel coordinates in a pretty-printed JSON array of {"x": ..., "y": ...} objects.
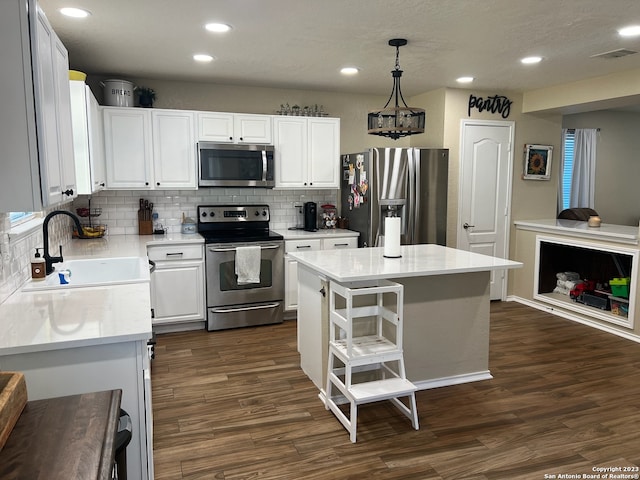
[{"x": 392, "y": 237}]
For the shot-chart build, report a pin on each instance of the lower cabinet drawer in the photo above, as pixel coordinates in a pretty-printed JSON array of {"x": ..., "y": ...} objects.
[
  {"x": 302, "y": 245},
  {"x": 335, "y": 243},
  {"x": 175, "y": 252}
]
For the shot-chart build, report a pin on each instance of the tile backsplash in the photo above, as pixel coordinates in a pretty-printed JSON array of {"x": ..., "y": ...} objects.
[
  {"x": 119, "y": 207},
  {"x": 17, "y": 250},
  {"x": 119, "y": 212}
]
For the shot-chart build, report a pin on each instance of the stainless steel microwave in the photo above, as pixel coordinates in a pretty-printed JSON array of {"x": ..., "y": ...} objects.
[{"x": 224, "y": 165}]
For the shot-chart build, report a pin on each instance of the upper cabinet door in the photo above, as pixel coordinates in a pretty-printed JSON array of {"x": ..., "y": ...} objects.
[
  {"x": 290, "y": 143},
  {"x": 215, "y": 127},
  {"x": 128, "y": 147},
  {"x": 324, "y": 152},
  {"x": 253, "y": 129},
  {"x": 46, "y": 115},
  {"x": 88, "y": 139},
  {"x": 174, "y": 149},
  {"x": 65, "y": 128},
  {"x": 96, "y": 142}
]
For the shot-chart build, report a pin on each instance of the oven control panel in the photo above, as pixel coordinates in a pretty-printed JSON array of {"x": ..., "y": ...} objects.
[{"x": 233, "y": 213}]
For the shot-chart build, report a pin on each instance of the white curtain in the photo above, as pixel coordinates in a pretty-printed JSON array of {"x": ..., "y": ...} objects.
[
  {"x": 561, "y": 170},
  {"x": 583, "y": 181}
]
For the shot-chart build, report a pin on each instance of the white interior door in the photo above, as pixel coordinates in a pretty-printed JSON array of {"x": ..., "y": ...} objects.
[{"x": 486, "y": 159}]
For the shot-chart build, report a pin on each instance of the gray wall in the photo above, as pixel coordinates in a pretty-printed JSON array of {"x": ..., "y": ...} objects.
[{"x": 617, "y": 196}]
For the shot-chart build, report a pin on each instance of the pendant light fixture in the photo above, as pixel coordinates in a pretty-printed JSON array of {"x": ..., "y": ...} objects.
[{"x": 399, "y": 120}]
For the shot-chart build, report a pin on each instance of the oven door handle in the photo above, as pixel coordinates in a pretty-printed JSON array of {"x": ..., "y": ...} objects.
[
  {"x": 244, "y": 309},
  {"x": 233, "y": 249}
]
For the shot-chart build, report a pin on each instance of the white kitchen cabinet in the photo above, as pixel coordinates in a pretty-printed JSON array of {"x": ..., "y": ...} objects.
[
  {"x": 149, "y": 149},
  {"x": 291, "y": 269},
  {"x": 177, "y": 284},
  {"x": 305, "y": 245},
  {"x": 66, "y": 159},
  {"x": 36, "y": 121},
  {"x": 88, "y": 139},
  {"x": 128, "y": 148},
  {"x": 174, "y": 149},
  {"x": 221, "y": 127},
  {"x": 307, "y": 152}
]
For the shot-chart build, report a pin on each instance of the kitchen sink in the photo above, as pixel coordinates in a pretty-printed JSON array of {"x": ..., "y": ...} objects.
[{"x": 94, "y": 272}]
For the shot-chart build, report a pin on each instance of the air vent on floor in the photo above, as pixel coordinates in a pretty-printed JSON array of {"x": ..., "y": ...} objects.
[{"x": 621, "y": 52}]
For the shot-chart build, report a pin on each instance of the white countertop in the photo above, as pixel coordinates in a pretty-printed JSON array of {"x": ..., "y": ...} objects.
[
  {"x": 364, "y": 264},
  {"x": 321, "y": 233},
  {"x": 575, "y": 228},
  {"x": 55, "y": 319},
  {"x": 123, "y": 245}
]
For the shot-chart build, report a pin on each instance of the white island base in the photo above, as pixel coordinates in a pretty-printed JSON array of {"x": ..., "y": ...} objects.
[{"x": 446, "y": 309}]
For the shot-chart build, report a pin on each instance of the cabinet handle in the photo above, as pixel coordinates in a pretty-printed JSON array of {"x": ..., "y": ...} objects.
[
  {"x": 158, "y": 184},
  {"x": 340, "y": 244},
  {"x": 69, "y": 192},
  {"x": 323, "y": 292},
  {"x": 102, "y": 184},
  {"x": 230, "y": 138},
  {"x": 176, "y": 254},
  {"x": 303, "y": 246},
  {"x": 146, "y": 183},
  {"x": 241, "y": 139}
]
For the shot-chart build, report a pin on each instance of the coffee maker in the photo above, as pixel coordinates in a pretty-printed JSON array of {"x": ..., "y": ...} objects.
[{"x": 311, "y": 216}]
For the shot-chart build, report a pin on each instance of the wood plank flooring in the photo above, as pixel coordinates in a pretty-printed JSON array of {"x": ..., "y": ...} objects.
[{"x": 565, "y": 398}]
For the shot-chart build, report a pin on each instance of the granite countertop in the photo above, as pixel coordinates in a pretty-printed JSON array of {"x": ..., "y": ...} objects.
[
  {"x": 365, "y": 264},
  {"x": 320, "y": 233},
  {"x": 54, "y": 319},
  {"x": 575, "y": 228}
]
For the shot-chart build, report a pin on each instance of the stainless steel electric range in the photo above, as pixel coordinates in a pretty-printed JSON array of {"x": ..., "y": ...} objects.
[{"x": 231, "y": 304}]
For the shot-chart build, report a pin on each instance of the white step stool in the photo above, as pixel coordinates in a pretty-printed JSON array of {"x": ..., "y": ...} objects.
[{"x": 365, "y": 337}]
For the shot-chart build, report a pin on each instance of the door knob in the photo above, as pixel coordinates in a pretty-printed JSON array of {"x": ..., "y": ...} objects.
[{"x": 466, "y": 225}]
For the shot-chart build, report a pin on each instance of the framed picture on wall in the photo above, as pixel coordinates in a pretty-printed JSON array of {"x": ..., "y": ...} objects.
[{"x": 537, "y": 162}]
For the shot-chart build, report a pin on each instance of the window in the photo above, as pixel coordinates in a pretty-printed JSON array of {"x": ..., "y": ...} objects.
[
  {"x": 568, "y": 155},
  {"x": 20, "y": 217}
]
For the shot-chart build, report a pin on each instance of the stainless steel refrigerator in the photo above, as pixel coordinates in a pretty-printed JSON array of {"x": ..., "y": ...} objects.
[{"x": 407, "y": 182}]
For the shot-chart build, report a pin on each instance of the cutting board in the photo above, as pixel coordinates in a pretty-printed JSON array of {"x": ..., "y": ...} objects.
[{"x": 13, "y": 398}]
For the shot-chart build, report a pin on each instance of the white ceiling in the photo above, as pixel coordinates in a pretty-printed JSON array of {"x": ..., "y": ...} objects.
[{"x": 303, "y": 43}]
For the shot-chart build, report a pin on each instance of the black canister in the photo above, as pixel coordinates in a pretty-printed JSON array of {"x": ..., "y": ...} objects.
[{"x": 311, "y": 216}]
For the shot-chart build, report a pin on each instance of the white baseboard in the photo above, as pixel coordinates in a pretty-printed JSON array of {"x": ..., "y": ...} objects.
[{"x": 573, "y": 317}]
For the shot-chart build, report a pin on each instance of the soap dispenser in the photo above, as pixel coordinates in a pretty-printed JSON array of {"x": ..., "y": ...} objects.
[{"x": 38, "y": 270}]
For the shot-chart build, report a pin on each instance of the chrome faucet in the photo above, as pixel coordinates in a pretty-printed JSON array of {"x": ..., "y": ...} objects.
[{"x": 48, "y": 259}]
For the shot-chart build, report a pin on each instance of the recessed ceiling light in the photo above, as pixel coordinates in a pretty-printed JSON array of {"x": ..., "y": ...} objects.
[
  {"x": 202, "y": 57},
  {"x": 464, "y": 79},
  {"x": 74, "y": 12},
  {"x": 218, "y": 27},
  {"x": 630, "y": 31},
  {"x": 349, "y": 70},
  {"x": 531, "y": 60}
]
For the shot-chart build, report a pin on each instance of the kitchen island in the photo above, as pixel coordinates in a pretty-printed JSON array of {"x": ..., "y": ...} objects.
[{"x": 446, "y": 308}]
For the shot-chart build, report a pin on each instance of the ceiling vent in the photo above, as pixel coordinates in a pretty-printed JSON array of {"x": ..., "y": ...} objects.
[{"x": 621, "y": 52}]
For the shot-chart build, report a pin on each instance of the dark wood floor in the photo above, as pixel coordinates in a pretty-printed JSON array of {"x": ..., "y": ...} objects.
[{"x": 565, "y": 398}]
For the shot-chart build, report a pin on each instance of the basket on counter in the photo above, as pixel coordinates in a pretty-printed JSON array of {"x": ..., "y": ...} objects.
[
  {"x": 88, "y": 212},
  {"x": 91, "y": 231}
]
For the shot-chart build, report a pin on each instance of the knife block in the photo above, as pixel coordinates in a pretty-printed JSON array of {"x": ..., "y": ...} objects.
[{"x": 145, "y": 227}]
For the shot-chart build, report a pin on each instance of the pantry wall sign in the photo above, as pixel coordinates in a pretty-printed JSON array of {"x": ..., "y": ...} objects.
[{"x": 494, "y": 104}]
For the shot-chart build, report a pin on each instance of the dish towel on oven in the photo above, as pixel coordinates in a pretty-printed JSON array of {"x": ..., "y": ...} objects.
[{"x": 248, "y": 264}]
